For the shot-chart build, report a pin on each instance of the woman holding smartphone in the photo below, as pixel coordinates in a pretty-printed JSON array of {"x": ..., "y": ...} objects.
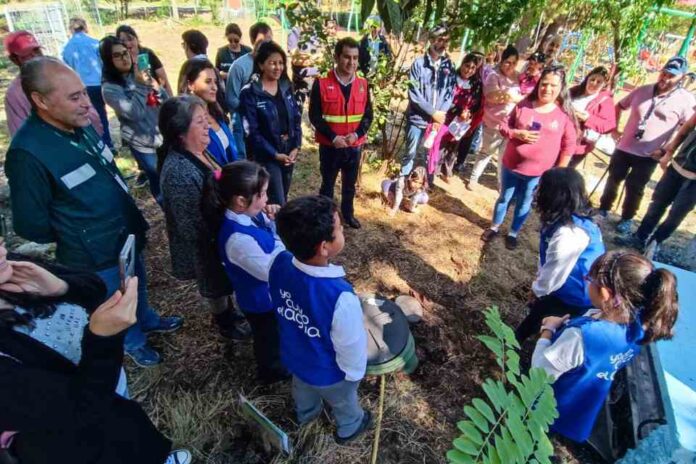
[
  {"x": 129, "y": 37},
  {"x": 136, "y": 98},
  {"x": 274, "y": 123},
  {"x": 542, "y": 133}
]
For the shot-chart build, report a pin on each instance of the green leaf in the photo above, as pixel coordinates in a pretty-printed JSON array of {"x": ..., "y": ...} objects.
[
  {"x": 457, "y": 457},
  {"x": 478, "y": 418},
  {"x": 496, "y": 393},
  {"x": 513, "y": 361},
  {"x": 466, "y": 446},
  {"x": 492, "y": 344},
  {"x": 501, "y": 450},
  {"x": 471, "y": 432},
  {"x": 484, "y": 409},
  {"x": 493, "y": 455}
]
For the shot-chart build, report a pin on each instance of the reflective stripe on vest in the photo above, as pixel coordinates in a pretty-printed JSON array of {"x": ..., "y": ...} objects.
[{"x": 342, "y": 118}]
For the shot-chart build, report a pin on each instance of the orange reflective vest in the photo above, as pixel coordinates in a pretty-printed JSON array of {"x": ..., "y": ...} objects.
[{"x": 342, "y": 119}]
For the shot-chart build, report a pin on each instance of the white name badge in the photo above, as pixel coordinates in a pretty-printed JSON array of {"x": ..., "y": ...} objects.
[
  {"x": 107, "y": 154},
  {"x": 78, "y": 176}
]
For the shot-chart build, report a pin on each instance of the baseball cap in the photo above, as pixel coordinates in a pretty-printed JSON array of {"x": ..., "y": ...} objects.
[
  {"x": 676, "y": 66},
  {"x": 20, "y": 43},
  {"x": 437, "y": 31}
]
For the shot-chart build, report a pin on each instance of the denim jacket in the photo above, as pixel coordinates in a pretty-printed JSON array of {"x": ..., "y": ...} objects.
[
  {"x": 423, "y": 82},
  {"x": 262, "y": 131}
]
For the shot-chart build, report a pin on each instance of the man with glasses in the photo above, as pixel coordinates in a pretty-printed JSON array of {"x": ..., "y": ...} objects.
[
  {"x": 656, "y": 112},
  {"x": 430, "y": 95}
]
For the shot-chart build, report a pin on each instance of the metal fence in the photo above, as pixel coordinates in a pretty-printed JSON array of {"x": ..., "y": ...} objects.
[{"x": 49, "y": 21}]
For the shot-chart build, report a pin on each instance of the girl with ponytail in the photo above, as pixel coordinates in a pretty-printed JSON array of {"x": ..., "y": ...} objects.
[
  {"x": 236, "y": 210},
  {"x": 635, "y": 304}
]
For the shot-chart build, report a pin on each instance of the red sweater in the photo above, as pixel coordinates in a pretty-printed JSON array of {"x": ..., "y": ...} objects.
[
  {"x": 602, "y": 119},
  {"x": 557, "y": 138}
]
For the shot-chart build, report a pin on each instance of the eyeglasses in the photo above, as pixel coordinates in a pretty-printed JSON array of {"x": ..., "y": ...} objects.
[{"x": 123, "y": 55}]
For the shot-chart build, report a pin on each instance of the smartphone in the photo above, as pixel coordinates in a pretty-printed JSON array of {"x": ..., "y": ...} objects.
[
  {"x": 126, "y": 261},
  {"x": 143, "y": 62},
  {"x": 535, "y": 126}
]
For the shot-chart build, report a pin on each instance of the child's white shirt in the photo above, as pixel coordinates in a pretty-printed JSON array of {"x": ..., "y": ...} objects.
[
  {"x": 348, "y": 334},
  {"x": 244, "y": 251},
  {"x": 563, "y": 355},
  {"x": 565, "y": 247}
]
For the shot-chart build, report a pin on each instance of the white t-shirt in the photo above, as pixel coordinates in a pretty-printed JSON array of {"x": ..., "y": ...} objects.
[{"x": 224, "y": 140}]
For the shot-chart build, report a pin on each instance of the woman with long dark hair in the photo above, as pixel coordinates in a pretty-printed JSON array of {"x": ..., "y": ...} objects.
[
  {"x": 542, "y": 133},
  {"x": 594, "y": 109},
  {"x": 272, "y": 119},
  {"x": 129, "y": 37},
  {"x": 136, "y": 98},
  {"x": 63, "y": 393},
  {"x": 569, "y": 243},
  {"x": 184, "y": 163},
  {"x": 198, "y": 78},
  {"x": 466, "y": 110}
]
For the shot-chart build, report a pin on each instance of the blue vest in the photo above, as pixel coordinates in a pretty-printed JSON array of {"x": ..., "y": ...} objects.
[
  {"x": 252, "y": 293},
  {"x": 575, "y": 290},
  {"x": 305, "y": 307},
  {"x": 580, "y": 393},
  {"x": 222, "y": 156}
]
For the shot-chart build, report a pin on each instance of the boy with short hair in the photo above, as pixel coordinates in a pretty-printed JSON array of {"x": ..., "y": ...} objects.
[{"x": 323, "y": 341}]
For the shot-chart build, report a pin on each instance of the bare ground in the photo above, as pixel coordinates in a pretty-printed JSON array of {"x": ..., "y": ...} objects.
[{"x": 436, "y": 253}]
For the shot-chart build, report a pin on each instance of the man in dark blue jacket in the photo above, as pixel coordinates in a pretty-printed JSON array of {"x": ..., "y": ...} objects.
[{"x": 432, "y": 80}]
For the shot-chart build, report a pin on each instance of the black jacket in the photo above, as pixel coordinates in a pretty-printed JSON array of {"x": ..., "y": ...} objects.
[
  {"x": 364, "y": 52},
  {"x": 68, "y": 413}
]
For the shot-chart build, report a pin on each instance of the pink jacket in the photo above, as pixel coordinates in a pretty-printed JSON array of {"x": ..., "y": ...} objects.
[
  {"x": 602, "y": 119},
  {"x": 17, "y": 109}
]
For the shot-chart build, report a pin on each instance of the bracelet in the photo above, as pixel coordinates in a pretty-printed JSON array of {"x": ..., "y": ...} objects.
[{"x": 546, "y": 327}]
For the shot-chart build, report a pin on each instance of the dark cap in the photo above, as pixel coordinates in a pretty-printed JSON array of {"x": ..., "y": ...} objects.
[{"x": 676, "y": 66}]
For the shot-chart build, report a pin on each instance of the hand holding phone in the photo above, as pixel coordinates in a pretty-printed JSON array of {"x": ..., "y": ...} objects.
[{"x": 126, "y": 262}]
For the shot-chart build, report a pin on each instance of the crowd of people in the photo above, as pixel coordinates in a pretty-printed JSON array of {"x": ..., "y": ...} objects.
[{"x": 219, "y": 159}]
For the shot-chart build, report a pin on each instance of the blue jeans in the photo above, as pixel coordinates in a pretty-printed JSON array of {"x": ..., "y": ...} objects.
[
  {"x": 147, "y": 162},
  {"x": 95, "y": 96},
  {"x": 414, "y": 135},
  {"x": 147, "y": 317},
  {"x": 522, "y": 188},
  {"x": 238, "y": 133}
]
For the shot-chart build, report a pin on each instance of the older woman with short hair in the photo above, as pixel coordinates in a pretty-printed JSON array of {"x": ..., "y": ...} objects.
[{"x": 183, "y": 163}]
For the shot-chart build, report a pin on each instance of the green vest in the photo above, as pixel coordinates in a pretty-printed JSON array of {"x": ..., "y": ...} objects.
[{"x": 90, "y": 213}]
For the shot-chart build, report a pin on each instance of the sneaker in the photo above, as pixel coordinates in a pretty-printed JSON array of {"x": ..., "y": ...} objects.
[
  {"x": 145, "y": 356},
  {"x": 652, "y": 249},
  {"x": 624, "y": 226},
  {"x": 166, "y": 325},
  {"x": 230, "y": 326},
  {"x": 141, "y": 181},
  {"x": 180, "y": 456},
  {"x": 364, "y": 426},
  {"x": 488, "y": 235},
  {"x": 510, "y": 242}
]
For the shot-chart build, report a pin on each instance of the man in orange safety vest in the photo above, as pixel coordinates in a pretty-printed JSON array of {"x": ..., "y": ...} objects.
[{"x": 341, "y": 113}]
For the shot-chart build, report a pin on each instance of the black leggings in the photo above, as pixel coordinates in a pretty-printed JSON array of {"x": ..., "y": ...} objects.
[
  {"x": 264, "y": 328},
  {"x": 548, "y": 305}
]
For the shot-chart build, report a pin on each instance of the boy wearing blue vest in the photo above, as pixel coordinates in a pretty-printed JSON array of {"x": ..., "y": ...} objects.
[
  {"x": 569, "y": 243},
  {"x": 323, "y": 342}
]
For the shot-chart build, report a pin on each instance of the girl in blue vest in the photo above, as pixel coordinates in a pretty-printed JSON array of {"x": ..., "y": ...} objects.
[
  {"x": 635, "y": 304},
  {"x": 235, "y": 203},
  {"x": 198, "y": 78},
  {"x": 570, "y": 242}
]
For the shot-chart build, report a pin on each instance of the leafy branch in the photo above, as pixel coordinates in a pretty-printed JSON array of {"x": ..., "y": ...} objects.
[{"x": 511, "y": 424}]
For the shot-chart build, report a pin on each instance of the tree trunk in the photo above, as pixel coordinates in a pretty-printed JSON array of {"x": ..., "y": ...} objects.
[{"x": 551, "y": 30}]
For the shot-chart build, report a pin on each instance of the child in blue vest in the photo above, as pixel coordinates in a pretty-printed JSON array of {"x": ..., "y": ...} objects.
[
  {"x": 234, "y": 203},
  {"x": 570, "y": 242},
  {"x": 635, "y": 304},
  {"x": 323, "y": 341}
]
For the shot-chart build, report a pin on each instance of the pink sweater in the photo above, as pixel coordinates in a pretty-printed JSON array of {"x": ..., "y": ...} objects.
[{"x": 557, "y": 139}]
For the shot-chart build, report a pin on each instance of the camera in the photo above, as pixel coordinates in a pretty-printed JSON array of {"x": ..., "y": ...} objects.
[{"x": 640, "y": 131}]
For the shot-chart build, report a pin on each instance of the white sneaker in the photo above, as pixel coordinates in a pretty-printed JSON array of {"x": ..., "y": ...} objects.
[
  {"x": 180, "y": 456},
  {"x": 651, "y": 250}
]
